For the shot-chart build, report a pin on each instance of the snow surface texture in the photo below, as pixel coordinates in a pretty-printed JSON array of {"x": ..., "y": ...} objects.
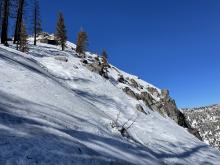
[
  {"x": 207, "y": 121},
  {"x": 56, "y": 112}
]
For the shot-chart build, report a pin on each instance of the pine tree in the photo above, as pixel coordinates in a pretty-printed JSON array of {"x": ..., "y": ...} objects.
[
  {"x": 82, "y": 42},
  {"x": 19, "y": 19},
  {"x": 104, "y": 58},
  {"x": 36, "y": 20},
  {"x": 5, "y": 16},
  {"x": 61, "y": 31},
  {"x": 104, "y": 64},
  {"x": 23, "y": 43}
]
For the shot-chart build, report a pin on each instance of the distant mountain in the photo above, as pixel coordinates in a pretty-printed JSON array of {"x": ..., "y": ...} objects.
[{"x": 207, "y": 121}]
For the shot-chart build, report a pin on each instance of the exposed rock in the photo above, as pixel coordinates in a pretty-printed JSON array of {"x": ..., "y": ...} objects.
[
  {"x": 97, "y": 59},
  {"x": 127, "y": 78},
  {"x": 42, "y": 35},
  {"x": 195, "y": 132},
  {"x": 46, "y": 38},
  {"x": 121, "y": 79},
  {"x": 104, "y": 74},
  {"x": 134, "y": 83},
  {"x": 97, "y": 68},
  {"x": 147, "y": 98},
  {"x": 155, "y": 94},
  {"x": 171, "y": 110},
  {"x": 155, "y": 108},
  {"x": 165, "y": 93},
  {"x": 61, "y": 58},
  {"x": 153, "y": 91},
  {"x": 129, "y": 92},
  {"x": 104, "y": 71},
  {"x": 84, "y": 61},
  {"x": 76, "y": 67},
  {"x": 94, "y": 68},
  {"x": 166, "y": 106},
  {"x": 140, "y": 108}
]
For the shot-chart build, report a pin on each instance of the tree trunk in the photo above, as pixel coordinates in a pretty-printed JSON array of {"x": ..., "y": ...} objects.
[
  {"x": 18, "y": 21},
  {"x": 63, "y": 45},
  {"x": 0, "y": 14},
  {"x": 35, "y": 25},
  {"x": 4, "y": 34}
]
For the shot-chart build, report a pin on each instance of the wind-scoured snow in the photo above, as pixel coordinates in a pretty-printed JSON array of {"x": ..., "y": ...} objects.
[{"x": 55, "y": 112}]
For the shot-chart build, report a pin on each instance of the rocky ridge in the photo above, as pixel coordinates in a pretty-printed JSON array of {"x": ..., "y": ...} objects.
[{"x": 149, "y": 95}]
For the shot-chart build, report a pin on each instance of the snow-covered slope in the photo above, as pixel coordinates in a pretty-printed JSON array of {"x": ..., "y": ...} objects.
[
  {"x": 207, "y": 121},
  {"x": 56, "y": 112}
]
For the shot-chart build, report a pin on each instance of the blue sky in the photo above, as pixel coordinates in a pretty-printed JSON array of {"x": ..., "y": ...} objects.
[{"x": 172, "y": 44}]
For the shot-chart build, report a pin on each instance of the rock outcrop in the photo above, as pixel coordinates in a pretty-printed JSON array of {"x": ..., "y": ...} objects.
[
  {"x": 129, "y": 92},
  {"x": 134, "y": 84},
  {"x": 121, "y": 79},
  {"x": 166, "y": 106}
]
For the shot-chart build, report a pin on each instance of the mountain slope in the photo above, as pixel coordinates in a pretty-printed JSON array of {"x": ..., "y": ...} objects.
[
  {"x": 207, "y": 121},
  {"x": 56, "y": 112}
]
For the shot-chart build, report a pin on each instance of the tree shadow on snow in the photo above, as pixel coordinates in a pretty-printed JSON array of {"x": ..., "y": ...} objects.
[
  {"x": 101, "y": 99},
  {"x": 31, "y": 141}
]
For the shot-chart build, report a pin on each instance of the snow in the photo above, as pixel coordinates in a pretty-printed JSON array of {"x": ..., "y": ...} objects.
[{"x": 55, "y": 112}]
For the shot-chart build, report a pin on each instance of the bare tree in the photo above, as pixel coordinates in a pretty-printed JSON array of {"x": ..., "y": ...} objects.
[
  {"x": 115, "y": 123},
  {"x": 123, "y": 128},
  {"x": 61, "y": 31},
  {"x": 36, "y": 20},
  {"x": 82, "y": 42}
]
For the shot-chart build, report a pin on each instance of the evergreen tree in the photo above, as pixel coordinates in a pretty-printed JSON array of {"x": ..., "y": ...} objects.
[
  {"x": 104, "y": 64},
  {"x": 23, "y": 43},
  {"x": 36, "y": 20},
  {"x": 82, "y": 42},
  {"x": 104, "y": 58},
  {"x": 19, "y": 19},
  {"x": 61, "y": 31},
  {"x": 5, "y": 16}
]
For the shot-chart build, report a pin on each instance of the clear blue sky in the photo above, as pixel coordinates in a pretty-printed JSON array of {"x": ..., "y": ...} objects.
[{"x": 172, "y": 44}]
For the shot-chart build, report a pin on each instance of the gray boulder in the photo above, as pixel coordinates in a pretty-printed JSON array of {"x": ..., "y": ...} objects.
[
  {"x": 165, "y": 93},
  {"x": 84, "y": 61},
  {"x": 61, "y": 58},
  {"x": 129, "y": 92},
  {"x": 153, "y": 91},
  {"x": 94, "y": 67},
  {"x": 133, "y": 83},
  {"x": 121, "y": 79},
  {"x": 147, "y": 98}
]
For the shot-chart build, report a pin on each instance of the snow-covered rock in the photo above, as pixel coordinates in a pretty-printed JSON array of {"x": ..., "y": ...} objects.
[
  {"x": 207, "y": 121},
  {"x": 60, "y": 112}
]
